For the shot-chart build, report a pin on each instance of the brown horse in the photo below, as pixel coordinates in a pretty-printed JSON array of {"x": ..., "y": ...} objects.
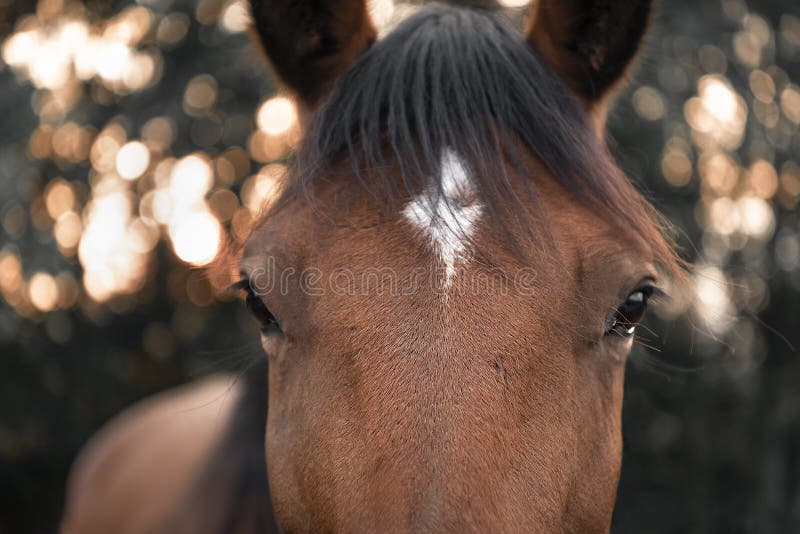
[{"x": 447, "y": 291}]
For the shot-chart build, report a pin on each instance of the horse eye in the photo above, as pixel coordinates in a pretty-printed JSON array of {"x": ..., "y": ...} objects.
[
  {"x": 260, "y": 311},
  {"x": 623, "y": 320}
]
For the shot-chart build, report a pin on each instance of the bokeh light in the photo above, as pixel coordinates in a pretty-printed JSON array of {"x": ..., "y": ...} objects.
[
  {"x": 43, "y": 292},
  {"x": 196, "y": 237},
  {"x": 276, "y": 115},
  {"x": 132, "y": 160},
  {"x": 514, "y": 3}
]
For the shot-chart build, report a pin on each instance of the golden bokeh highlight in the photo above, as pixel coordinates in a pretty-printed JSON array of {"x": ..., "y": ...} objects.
[
  {"x": 67, "y": 231},
  {"x": 103, "y": 153},
  {"x": 10, "y": 273},
  {"x": 718, "y": 115},
  {"x": 260, "y": 190},
  {"x": 59, "y": 198},
  {"x": 43, "y": 292},
  {"x": 381, "y": 12},
  {"x": 790, "y": 103},
  {"x": 712, "y": 301},
  {"x": 276, "y": 115},
  {"x": 649, "y": 104},
  {"x": 235, "y": 16},
  {"x": 132, "y": 160},
  {"x": 196, "y": 238},
  {"x": 200, "y": 95}
]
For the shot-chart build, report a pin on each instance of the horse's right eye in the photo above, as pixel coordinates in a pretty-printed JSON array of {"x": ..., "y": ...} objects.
[
  {"x": 624, "y": 319},
  {"x": 260, "y": 311}
]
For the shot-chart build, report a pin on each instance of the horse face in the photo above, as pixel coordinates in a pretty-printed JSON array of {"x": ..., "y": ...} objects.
[
  {"x": 423, "y": 374},
  {"x": 401, "y": 398}
]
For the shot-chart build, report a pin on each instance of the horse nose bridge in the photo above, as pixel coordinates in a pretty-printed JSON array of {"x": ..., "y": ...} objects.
[
  {"x": 436, "y": 491},
  {"x": 427, "y": 488},
  {"x": 442, "y": 403},
  {"x": 434, "y": 427}
]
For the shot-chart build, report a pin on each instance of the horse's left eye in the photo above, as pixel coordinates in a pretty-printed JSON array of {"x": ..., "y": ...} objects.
[
  {"x": 260, "y": 311},
  {"x": 623, "y": 320}
]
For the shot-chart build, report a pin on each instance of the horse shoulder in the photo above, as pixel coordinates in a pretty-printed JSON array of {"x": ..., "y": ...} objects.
[{"x": 136, "y": 470}]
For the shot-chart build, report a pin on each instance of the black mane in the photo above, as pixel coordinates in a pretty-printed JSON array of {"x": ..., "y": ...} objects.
[{"x": 462, "y": 79}]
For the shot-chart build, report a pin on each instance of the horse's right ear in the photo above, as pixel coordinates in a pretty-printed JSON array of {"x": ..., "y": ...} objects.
[
  {"x": 591, "y": 44},
  {"x": 310, "y": 43}
]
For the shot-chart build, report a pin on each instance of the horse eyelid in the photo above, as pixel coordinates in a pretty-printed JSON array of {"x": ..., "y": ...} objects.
[{"x": 236, "y": 287}]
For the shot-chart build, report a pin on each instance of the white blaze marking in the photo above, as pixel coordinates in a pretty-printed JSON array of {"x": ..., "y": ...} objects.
[{"x": 448, "y": 218}]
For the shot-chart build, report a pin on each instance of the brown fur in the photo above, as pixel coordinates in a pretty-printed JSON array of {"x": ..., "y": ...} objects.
[{"x": 478, "y": 411}]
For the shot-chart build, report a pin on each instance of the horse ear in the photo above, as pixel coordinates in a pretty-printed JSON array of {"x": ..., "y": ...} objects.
[
  {"x": 590, "y": 43},
  {"x": 312, "y": 42}
]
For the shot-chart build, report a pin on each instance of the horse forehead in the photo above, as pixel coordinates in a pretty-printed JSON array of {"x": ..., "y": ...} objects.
[{"x": 437, "y": 227}]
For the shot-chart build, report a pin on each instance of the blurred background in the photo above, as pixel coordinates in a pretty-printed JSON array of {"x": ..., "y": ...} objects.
[{"x": 139, "y": 138}]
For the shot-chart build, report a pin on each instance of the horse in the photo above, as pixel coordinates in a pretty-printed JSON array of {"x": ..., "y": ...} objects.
[{"x": 447, "y": 291}]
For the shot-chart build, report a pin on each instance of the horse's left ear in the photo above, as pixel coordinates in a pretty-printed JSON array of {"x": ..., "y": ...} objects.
[
  {"x": 590, "y": 43},
  {"x": 310, "y": 43}
]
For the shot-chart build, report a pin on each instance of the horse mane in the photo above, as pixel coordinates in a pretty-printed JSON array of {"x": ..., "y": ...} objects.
[{"x": 462, "y": 79}]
